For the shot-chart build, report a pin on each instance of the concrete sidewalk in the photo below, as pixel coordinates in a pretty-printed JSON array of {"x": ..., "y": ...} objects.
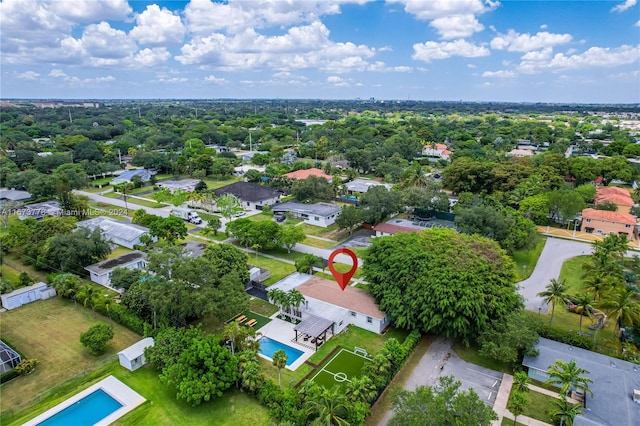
[{"x": 500, "y": 406}]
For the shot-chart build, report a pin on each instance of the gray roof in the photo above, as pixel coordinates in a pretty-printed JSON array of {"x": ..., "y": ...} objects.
[
  {"x": 137, "y": 349},
  {"x": 121, "y": 261},
  {"x": 313, "y": 326},
  {"x": 39, "y": 210},
  {"x": 177, "y": 184},
  {"x": 613, "y": 382},
  {"x": 37, "y": 286},
  {"x": 319, "y": 209},
  {"x": 127, "y": 175},
  {"x": 247, "y": 191},
  {"x": 362, "y": 185},
  {"x": 115, "y": 228},
  {"x": 14, "y": 194}
]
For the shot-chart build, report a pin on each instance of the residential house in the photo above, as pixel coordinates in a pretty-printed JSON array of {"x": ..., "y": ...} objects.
[
  {"x": 188, "y": 185},
  {"x": 243, "y": 169},
  {"x": 360, "y": 186},
  {"x": 252, "y": 196},
  {"x": 618, "y": 196},
  {"x": 13, "y": 195},
  {"x": 116, "y": 231},
  {"x": 304, "y": 174},
  {"x": 438, "y": 150},
  {"x": 247, "y": 156},
  {"x": 615, "y": 386},
  {"x": 386, "y": 229},
  {"x": 318, "y": 214},
  {"x": 127, "y": 176},
  {"x": 325, "y": 299},
  {"x": 520, "y": 153},
  {"x": 40, "y": 210},
  {"x": 100, "y": 273},
  {"x": 604, "y": 222}
]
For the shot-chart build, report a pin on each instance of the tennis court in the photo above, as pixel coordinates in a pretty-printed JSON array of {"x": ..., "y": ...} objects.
[{"x": 340, "y": 369}]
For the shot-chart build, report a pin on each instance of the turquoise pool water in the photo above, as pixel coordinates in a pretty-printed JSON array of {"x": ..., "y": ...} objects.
[
  {"x": 269, "y": 346},
  {"x": 88, "y": 411}
]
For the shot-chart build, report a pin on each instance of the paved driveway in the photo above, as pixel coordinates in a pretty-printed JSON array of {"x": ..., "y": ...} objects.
[{"x": 440, "y": 359}]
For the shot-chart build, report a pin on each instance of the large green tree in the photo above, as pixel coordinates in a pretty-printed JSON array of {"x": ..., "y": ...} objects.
[
  {"x": 441, "y": 281},
  {"x": 441, "y": 405},
  {"x": 169, "y": 228},
  {"x": 72, "y": 252},
  {"x": 379, "y": 203},
  {"x": 510, "y": 339},
  {"x": 312, "y": 188}
]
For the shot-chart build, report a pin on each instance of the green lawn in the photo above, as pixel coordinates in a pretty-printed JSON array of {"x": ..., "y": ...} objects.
[
  {"x": 318, "y": 231},
  {"x": 470, "y": 354},
  {"x": 10, "y": 274},
  {"x": 261, "y": 307},
  {"x": 314, "y": 242},
  {"x": 261, "y": 321},
  {"x": 14, "y": 266},
  {"x": 278, "y": 269},
  {"x": 146, "y": 203},
  {"x": 538, "y": 406},
  {"x": 526, "y": 260},
  {"x": 572, "y": 272},
  {"x": 258, "y": 217},
  {"x": 49, "y": 331},
  {"x": 208, "y": 216},
  {"x": 215, "y": 184},
  {"x": 344, "y": 362},
  {"x": 119, "y": 252},
  {"x": 111, "y": 210}
]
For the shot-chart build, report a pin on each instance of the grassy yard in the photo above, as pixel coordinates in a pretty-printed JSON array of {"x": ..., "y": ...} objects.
[
  {"x": 606, "y": 343},
  {"x": 361, "y": 252},
  {"x": 261, "y": 307},
  {"x": 215, "y": 184},
  {"x": 538, "y": 406},
  {"x": 49, "y": 331},
  {"x": 162, "y": 408},
  {"x": 526, "y": 260},
  {"x": 119, "y": 252},
  {"x": 314, "y": 242},
  {"x": 572, "y": 272},
  {"x": 103, "y": 181},
  {"x": 146, "y": 203},
  {"x": 208, "y": 216},
  {"x": 111, "y": 210},
  {"x": 318, "y": 231},
  {"x": 470, "y": 354},
  {"x": 278, "y": 269},
  {"x": 12, "y": 265}
]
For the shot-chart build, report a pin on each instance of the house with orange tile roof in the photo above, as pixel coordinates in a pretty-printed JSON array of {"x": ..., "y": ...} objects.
[
  {"x": 438, "y": 150},
  {"x": 618, "y": 196},
  {"x": 605, "y": 222},
  {"x": 304, "y": 174}
]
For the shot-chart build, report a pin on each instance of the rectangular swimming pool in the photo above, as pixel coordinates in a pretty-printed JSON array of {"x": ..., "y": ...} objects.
[
  {"x": 87, "y": 411},
  {"x": 269, "y": 346}
]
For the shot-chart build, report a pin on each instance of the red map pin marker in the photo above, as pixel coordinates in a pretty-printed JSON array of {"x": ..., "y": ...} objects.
[{"x": 343, "y": 277}]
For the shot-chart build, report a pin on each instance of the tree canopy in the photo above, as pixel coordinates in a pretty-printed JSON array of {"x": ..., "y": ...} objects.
[{"x": 442, "y": 282}]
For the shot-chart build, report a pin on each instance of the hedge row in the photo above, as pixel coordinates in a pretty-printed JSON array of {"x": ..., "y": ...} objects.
[{"x": 564, "y": 336}]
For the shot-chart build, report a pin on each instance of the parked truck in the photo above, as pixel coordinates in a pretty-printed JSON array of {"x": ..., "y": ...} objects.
[{"x": 187, "y": 215}]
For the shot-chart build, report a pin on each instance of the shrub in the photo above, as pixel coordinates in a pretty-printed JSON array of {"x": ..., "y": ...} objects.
[
  {"x": 411, "y": 341},
  {"x": 565, "y": 337},
  {"x": 96, "y": 338},
  {"x": 26, "y": 366},
  {"x": 9, "y": 375}
]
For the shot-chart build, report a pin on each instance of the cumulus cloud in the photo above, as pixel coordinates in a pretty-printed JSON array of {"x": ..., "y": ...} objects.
[
  {"x": 432, "y": 50},
  {"x": 215, "y": 80},
  {"x": 594, "y": 57},
  {"x": 499, "y": 74},
  {"x": 158, "y": 27},
  {"x": 75, "y": 81},
  {"x": 544, "y": 26},
  {"x": 450, "y": 18},
  {"x": 622, "y": 7},
  {"x": 28, "y": 75},
  {"x": 334, "y": 80},
  {"x": 637, "y": 24},
  {"x": 515, "y": 42}
]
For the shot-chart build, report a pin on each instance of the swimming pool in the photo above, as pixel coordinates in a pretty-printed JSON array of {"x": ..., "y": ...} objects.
[
  {"x": 269, "y": 346},
  {"x": 88, "y": 411}
]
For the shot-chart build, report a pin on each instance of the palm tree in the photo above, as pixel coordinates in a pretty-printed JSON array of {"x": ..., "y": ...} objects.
[
  {"x": 279, "y": 361},
  {"x": 230, "y": 332},
  {"x": 213, "y": 225},
  {"x": 107, "y": 302},
  {"x": 296, "y": 298},
  {"x": 565, "y": 411},
  {"x": 521, "y": 382},
  {"x": 89, "y": 293},
  {"x": 361, "y": 389},
  {"x": 330, "y": 408},
  {"x": 584, "y": 305},
  {"x": 67, "y": 286},
  {"x": 623, "y": 306},
  {"x": 599, "y": 282},
  {"x": 555, "y": 294},
  {"x": 277, "y": 297},
  {"x": 568, "y": 376}
]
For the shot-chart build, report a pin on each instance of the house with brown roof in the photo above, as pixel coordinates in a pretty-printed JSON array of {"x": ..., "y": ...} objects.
[
  {"x": 618, "y": 196},
  {"x": 438, "y": 150},
  {"x": 325, "y": 299},
  {"x": 386, "y": 229},
  {"x": 304, "y": 174},
  {"x": 605, "y": 222}
]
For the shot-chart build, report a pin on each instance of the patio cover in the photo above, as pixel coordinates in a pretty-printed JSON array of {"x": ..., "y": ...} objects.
[{"x": 313, "y": 326}]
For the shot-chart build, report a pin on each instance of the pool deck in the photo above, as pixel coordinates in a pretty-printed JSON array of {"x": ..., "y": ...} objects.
[
  {"x": 122, "y": 393},
  {"x": 282, "y": 332}
]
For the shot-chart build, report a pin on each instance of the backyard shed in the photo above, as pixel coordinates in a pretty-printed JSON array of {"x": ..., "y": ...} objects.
[
  {"x": 22, "y": 296},
  {"x": 132, "y": 357}
]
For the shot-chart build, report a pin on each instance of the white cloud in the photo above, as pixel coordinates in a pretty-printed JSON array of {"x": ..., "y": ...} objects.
[
  {"x": 499, "y": 74},
  {"x": 450, "y": 18},
  {"x": 57, "y": 73},
  {"x": 637, "y": 24},
  {"x": 515, "y": 42},
  {"x": 334, "y": 80},
  {"x": 28, "y": 75},
  {"x": 591, "y": 58},
  {"x": 103, "y": 41},
  {"x": 158, "y": 27},
  {"x": 170, "y": 80},
  {"x": 148, "y": 58},
  {"x": 82, "y": 11},
  {"x": 544, "y": 26},
  {"x": 538, "y": 55},
  {"x": 75, "y": 81},
  {"x": 215, "y": 80},
  {"x": 433, "y": 50},
  {"x": 472, "y": 66},
  {"x": 628, "y": 4}
]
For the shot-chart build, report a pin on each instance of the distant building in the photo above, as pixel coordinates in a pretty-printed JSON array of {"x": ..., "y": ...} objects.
[
  {"x": 252, "y": 196},
  {"x": 520, "y": 153},
  {"x": 127, "y": 176},
  {"x": 386, "y": 229},
  {"x": 438, "y": 150},
  {"x": 100, "y": 273},
  {"x": 289, "y": 157},
  {"x": 318, "y": 214},
  {"x": 40, "y": 210},
  {"x": 188, "y": 185},
  {"x": 24, "y": 295},
  {"x": 304, "y": 174},
  {"x": 360, "y": 186},
  {"x": 13, "y": 195},
  {"x": 116, "y": 231},
  {"x": 603, "y": 222},
  {"x": 618, "y": 196}
]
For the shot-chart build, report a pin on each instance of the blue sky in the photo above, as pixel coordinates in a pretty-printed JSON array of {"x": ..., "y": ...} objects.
[{"x": 471, "y": 50}]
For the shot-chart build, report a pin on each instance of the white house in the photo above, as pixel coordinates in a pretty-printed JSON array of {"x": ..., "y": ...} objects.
[
  {"x": 360, "y": 186},
  {"x": 40, "y": 210},
  {"x": 188, "y": 185},
  {"x": 520, "y": 153},
  {"x": 116, "y": 231},
  {"x": 100, "y": 273},
  {"x": 325, "y": 299},
  {"x": 127, "y": 176},
  {"x": 386, "y": 229},
  {"x": 318, "y": 214},
  {"x": 252, "y": 196},
  {"x": 438, "y": 150},
  {"x": 132, "y": 357},
  {"x": 22, "y": 296}
]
